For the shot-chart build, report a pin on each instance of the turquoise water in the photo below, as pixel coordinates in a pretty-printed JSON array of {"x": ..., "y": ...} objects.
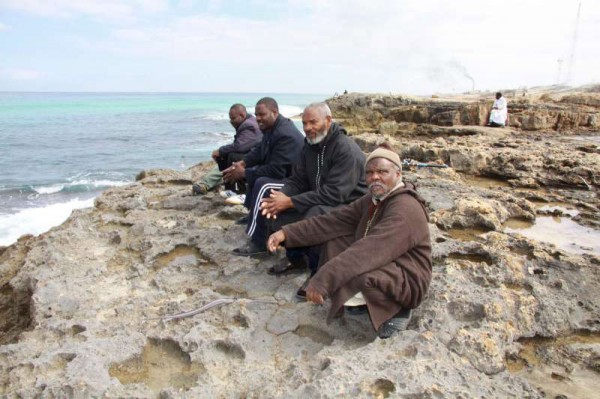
[{"x": 60, "y": 150}]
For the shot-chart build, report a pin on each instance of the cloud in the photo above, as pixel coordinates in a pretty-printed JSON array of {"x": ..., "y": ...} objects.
[
  {"x": 21, "y": 74},
  {"x": 410, "y": 46},
  {"x": 4, "y": 27},
  {"x": 107, "y": 10}
]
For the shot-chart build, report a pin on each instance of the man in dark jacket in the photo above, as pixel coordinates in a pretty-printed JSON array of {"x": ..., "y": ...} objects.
[
  {"x": 265, "y": 166},
  {"x": 247, "y": 135},
  {"x": 376, "y": 252},
  {"x": 331, "y": 172}
]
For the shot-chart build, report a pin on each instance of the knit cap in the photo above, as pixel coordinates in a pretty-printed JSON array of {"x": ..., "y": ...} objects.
[{"x": 387, "y": 153}]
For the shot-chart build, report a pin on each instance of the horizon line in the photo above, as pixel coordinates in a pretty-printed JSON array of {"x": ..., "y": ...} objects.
[{"x": 154, "y": 92}]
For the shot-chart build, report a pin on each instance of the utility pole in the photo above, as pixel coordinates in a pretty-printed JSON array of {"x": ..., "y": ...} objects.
[
  {"x": 558, "y": 74},
  {"x": 573, "y": 45}
]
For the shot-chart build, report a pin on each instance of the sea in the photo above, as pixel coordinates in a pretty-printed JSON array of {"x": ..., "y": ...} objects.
[{"x": 59, "y": 151}]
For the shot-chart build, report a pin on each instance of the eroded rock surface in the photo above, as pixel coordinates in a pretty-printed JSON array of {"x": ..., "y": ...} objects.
[
  {"x": 543, "y": 108},
  {"x": 508, "y": 314}
]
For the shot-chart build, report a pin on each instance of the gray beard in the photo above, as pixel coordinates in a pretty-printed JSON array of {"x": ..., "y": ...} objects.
[
  {"x": 319, "y": 137},
  {"x": 380, "y": 195}
]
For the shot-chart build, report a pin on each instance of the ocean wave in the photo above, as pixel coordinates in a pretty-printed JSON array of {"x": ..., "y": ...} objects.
[
  {"x": 81, "y": 185},
  {"x": 215, "y": 116},
  {"x": 290, "y": 110},
  {"x": 286, "y": 110},
  {"x": 37, "y": 220}
]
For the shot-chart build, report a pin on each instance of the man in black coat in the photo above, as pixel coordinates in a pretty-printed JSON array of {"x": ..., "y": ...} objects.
[
  {"x": 247, "y": 135},
  {"x": 265, "y": 167},
  {"x": 330, "y": 173}
]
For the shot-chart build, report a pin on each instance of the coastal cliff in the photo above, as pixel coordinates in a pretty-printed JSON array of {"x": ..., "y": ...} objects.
[
  {"x": 544, "y": 108},
  {"x": 512, "y": 311}
]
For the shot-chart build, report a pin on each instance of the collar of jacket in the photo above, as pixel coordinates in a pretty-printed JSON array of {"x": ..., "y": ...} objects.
[
  {"x": 410, "y": 189},
  {"x": 277, "y": 121},
  {"x": 244, "y": 123}
]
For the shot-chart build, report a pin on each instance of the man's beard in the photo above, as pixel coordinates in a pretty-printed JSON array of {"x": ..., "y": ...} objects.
[
  {"x": 378, "y": 184},
  {"x": 320, "y": 136}
]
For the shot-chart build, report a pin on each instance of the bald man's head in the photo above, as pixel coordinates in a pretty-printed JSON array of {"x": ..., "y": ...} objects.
[{"x": 237, "y": 115}]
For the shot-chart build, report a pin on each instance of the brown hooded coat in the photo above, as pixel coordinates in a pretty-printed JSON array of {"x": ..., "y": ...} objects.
[{"x": 391, "y": 264}]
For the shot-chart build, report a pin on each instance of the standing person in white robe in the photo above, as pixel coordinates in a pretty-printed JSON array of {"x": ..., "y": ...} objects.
[{"x": 499, "y": 112}]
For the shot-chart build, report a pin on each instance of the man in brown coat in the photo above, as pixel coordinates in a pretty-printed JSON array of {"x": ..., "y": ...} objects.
[{"x": 377, "y": 248}]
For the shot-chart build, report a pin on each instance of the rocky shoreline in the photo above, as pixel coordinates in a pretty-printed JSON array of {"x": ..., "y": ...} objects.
[{"x": 513, "y": 309}]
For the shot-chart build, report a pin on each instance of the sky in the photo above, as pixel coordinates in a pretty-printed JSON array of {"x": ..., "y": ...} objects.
[{"x": 293, "y": 46}]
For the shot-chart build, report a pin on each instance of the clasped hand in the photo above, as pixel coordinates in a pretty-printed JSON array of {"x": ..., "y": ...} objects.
[
  {"x": 274, "y": 204},
  {"x": 235, "y": 172}
]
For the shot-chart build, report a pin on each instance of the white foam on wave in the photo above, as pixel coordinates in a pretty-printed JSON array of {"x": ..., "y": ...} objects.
[
  {"x": 286, "y": 110},
  {"x": 290, "y": 110},
  {"x": 99, "y": 183},
  {"x": 95, "y": 184},
  {"x": 56, "y": 188},
  {"x": 37, "y": 220},
  {"x": 216, "y": 116}
]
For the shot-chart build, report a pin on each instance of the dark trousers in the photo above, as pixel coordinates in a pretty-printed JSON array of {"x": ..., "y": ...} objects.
[
  {"x": 257, "y": 227},
  {"x": 223, "y": 162},
  {"x": 292, "y": 216}
]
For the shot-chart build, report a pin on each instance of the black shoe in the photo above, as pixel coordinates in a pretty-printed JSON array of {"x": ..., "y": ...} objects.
[
  {"x": 250, "y": 249},
  {"x": 356, "y": 310},
  {"x": 243, "y": 220},
  {"x": 286, "y": 265},
  {"x": 397, "y": 323},
  {"x": 301, "y": 293}
]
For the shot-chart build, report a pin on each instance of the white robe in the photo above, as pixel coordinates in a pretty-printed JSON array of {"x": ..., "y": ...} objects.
[{"x": 499, "y": 115}]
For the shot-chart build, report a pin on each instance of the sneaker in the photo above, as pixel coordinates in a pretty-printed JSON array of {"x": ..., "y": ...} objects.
[
  {"x": 227, "y": 193},
  {"x": 236, "y": 200},
  {"x": 199, "y": 189},
  {"x": 397, "y": 323}
]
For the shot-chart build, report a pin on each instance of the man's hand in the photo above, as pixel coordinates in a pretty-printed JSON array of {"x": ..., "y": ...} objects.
[
  {"x": 275, "y": 240},
  {"x": 276, "y": 203},
  {"x": 236, "y": 172},
  {"x": 215, "y": 154},
  {"x": 313, "y": 296}
]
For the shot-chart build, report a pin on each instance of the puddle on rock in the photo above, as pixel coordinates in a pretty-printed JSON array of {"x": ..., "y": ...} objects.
[
  {"x": 315, "y": 334},
  {"x": 475, "y": 258},
  {"x": 562, "y": 232},
  {"x": 162, "y": 365},
  {"x": 15, "y": 313},
  {"x": 382, "y": 388},
  {"x": 485, "y": 182},
  {"x": 186, "y": 253},
  {"x": 553, "y": 380},
  {"x": 471, "y": 234},
  {"x": 583, "y": 139}
]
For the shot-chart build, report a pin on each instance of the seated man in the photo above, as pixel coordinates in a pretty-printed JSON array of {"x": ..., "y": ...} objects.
[
  {"x": 499, "y": 112},
  {"x": 330, "y": 173},
  {"x": 265, "y": 166},
  {"x": 378, "y": 246},
  {"x": 247, "y": 135}
]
